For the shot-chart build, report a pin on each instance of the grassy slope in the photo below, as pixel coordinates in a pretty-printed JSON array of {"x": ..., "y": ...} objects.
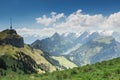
[
  {"x": 106, "y": 70},
  {"x": 33, "y": 53},
  {"x": 64, "y": 62}
]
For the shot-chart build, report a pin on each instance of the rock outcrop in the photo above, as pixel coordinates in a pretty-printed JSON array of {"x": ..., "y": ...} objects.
[{"x": 11, "y": 37}]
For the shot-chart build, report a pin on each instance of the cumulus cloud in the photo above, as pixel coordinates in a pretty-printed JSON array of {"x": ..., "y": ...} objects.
[
  {"x": 49, "y": 20},
  {"x": 75, "y": 22},
  {"x": 85, "y": 20},
  {"x": 113, "y": 21}
]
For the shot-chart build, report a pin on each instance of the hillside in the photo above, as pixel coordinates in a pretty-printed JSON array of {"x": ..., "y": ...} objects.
[
  {"x": 106, "y": 70},
  {"x": 15, "y": 56}
]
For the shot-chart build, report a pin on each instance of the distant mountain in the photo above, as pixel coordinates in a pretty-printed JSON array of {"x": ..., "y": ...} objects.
[
  {"x": 55, "y": 45},
  {"x": 70, "y": 36},
  {"x": 83, "y": 37},
  {"x": 96, "y": 50},
  {"x": 63, "y": 44},
  {"x": 87, "y": 48},
  {"x": 86, "y": 36}
]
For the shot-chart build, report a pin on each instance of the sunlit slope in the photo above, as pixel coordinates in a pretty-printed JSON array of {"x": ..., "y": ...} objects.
[
  {"x": 34, "y": 54},
  {"x": 64, "y": 62}
]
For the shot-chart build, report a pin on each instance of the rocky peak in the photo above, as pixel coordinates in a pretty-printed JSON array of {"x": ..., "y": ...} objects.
[
  {"x": 55, "y": 37},
  {"x": 10, "y": 36}
]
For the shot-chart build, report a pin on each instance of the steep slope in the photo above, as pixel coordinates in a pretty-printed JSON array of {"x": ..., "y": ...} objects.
[
  {"x": 24, "y": 53},
  {"x": 21, "y": 58}
]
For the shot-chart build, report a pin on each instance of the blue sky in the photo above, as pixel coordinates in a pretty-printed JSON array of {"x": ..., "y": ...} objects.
[
  {"x": 24, "y": 11},
  {"x": 25, "y": 14}
]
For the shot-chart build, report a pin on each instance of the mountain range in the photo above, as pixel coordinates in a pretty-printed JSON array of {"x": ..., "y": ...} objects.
[
  {"x": 57, "y": 52},
  {"x": 87, "y": 48}
]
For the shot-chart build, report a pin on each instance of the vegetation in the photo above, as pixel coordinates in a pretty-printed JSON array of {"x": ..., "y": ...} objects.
[
  {"x": 106, "y": 70},
  {"x": 27, "y": 57}
]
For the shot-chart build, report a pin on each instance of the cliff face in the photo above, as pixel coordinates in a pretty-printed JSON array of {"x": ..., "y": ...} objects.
[{"x": 11, "y": 37}]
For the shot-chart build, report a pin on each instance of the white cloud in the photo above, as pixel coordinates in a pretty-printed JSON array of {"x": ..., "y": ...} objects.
[
  {"x": 113, "y": 21},
  {"x": 85, "y": 20},
  {"x": 49, "y": 20},
  {"x": 75, "y": 22}
]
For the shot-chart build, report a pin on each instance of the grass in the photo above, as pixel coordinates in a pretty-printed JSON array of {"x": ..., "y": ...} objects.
[
  {"x": 106, "y": 70},
  {"x": 33, "y": 53}
]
